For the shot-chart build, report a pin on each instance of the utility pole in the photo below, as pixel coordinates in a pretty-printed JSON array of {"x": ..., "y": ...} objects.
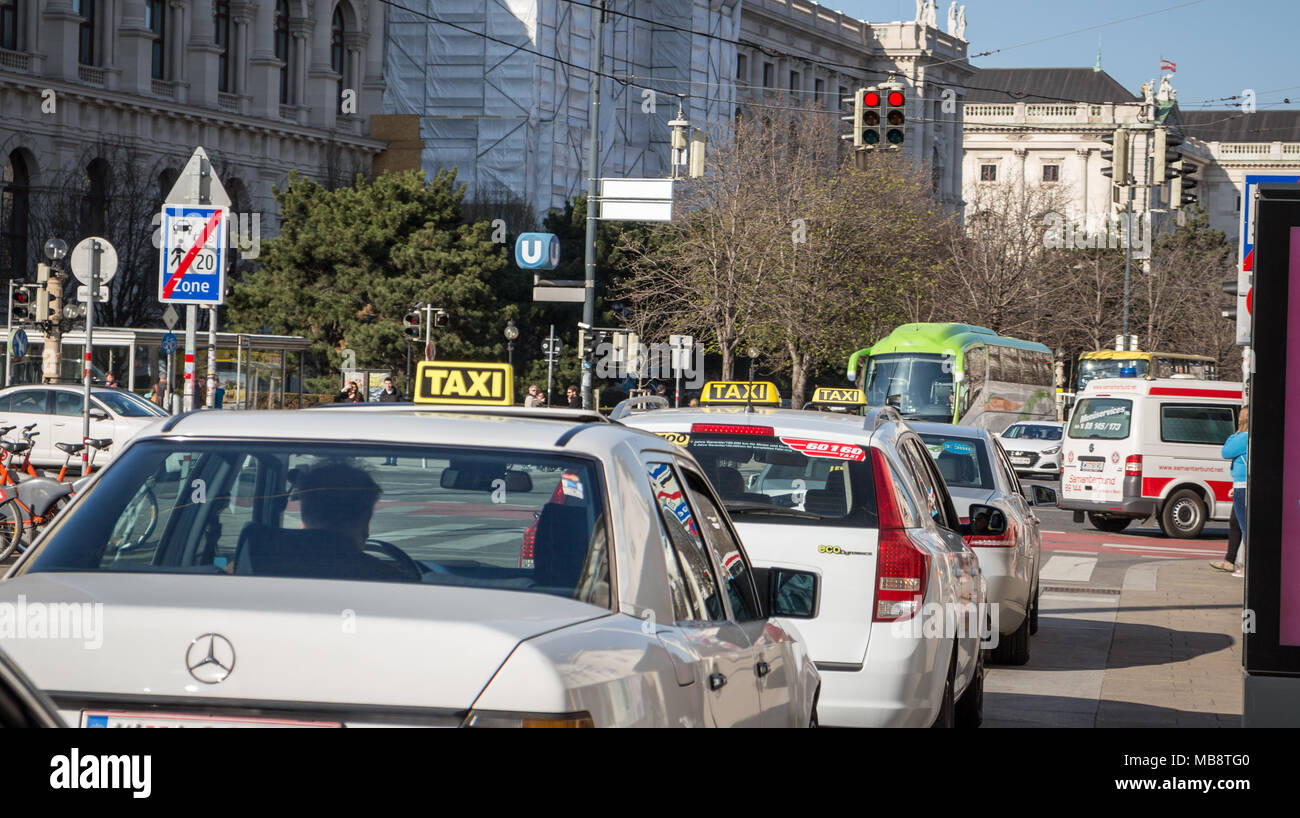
[
  {"x": 1128, "y": 238},
  {"x": 593, "y": 168},
  {"x": 92, "y": 295},
  {"x": 210, "y": 400}
]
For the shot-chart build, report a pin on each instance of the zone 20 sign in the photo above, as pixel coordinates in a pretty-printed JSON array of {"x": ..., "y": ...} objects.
[{"x": 193, "y": 257}]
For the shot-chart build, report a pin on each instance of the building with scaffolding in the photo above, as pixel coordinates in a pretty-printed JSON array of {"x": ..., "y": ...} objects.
[{"x": 501, "y": 91}]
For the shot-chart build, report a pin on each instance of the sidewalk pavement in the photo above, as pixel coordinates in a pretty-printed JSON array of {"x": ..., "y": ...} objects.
[{"x": 1175, "y": 654}]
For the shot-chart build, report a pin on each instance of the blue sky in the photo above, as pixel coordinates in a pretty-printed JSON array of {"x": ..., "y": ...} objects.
[{"x": 1221, "y": 46}]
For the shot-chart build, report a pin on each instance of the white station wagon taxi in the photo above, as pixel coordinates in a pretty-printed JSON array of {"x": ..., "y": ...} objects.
[
  {"x": 360, "y": 566},
  {"x": 860, "y": 500}
]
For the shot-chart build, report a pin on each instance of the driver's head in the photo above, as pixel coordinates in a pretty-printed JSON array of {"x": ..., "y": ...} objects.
[{"x": 338, "y": 496}]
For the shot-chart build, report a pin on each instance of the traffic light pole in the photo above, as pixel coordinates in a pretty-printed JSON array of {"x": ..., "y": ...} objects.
[
  {"x": 92, "y": 295},
  {"x": 593, "y": 168}
]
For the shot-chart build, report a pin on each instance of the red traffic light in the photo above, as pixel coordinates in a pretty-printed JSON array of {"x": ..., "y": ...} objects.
[
  {"x": 20, "y": 296},
  {"x": 871, "y": 99},
  {"x": 895, "y": 98}
]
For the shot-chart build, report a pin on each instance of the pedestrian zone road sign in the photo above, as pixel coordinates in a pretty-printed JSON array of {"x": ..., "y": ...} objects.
[{"x": 193, "y": 255}]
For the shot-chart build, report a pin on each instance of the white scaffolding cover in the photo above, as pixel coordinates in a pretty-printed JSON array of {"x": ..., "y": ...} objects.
[{"x": 515, "y": 122}]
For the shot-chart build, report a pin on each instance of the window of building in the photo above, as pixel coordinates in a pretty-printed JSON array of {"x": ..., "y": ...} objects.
[
  {"x": 794, "y": 82},
  {"x": 336, "y": 51},
  {"x": 221, "y": 20},
  {"x": 155, "y": 18},
  {"x": 282, "y": 47},
  {"x": 769, "y": 74},
  {"x": 819, "y": 89},
  {"x": 844, "y": 94},
  {"x": 742, "y": 67},
  {"x": 86, "y": 31},
  {"x": 1237, "y": 206},
  {"x": 1051, "y": 173},
  {"x": 9, "y": 24},
  {"x": 988, "y": 173},
  {"x": 15, "y": 187},
  {"x": 95, "y": 204}
]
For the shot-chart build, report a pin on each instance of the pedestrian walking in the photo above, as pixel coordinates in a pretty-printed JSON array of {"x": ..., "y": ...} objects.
[
  {"x": 534, "y": 398},
  {"x": 350, "y": 394},
  {"x": 1234, "y": 449},
  {"x": 110, "y": 380},
  {"x": 575, "y": 399},
  {"x": 390, "y": 393}
]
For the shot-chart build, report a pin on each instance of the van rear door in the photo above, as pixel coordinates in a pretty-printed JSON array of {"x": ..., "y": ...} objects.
[{"x": 1098, "y": 441}]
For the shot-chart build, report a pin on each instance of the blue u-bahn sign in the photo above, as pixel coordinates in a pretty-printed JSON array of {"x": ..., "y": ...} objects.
[{"x": 537, "y": 251}]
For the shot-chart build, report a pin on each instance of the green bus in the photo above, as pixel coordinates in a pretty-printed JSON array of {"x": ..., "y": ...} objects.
[{"x": 957, "y": 373}]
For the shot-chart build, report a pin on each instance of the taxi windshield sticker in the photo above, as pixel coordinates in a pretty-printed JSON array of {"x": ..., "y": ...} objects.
[
  {"x": 820, "y": 448},
  {"x": 458, "y": 382},
  {"x": 571, "y": 485},
  {"x": 675, "y": 437},
  {"x": 838, "y": 397},
  {"x": 958, "y": 447},
  {"x": 740, "y": 392}
]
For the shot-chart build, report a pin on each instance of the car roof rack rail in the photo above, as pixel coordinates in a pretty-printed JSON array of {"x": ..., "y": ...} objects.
[
  {"x": 644, "y": 403},
  {"x": 880, "y": 414}
]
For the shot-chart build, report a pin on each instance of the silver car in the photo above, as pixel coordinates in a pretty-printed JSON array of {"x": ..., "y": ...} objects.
[
  {"x": 1034, "y": 447},
  {"x": 361, "y": 567},
  {"x": 979, "y": 477}
]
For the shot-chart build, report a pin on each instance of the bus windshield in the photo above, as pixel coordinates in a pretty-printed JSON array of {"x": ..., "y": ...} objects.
[
  {"x": 1090, "y": 368},
  {"x": 918, "y": 385}
]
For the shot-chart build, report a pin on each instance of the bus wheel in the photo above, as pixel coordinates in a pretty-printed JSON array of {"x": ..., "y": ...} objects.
[
  {"x": 1112, "y": 525},
  {"x": 1183, "y": 515}
]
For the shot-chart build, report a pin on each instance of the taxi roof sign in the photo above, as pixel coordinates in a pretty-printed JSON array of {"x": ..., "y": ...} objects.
[
  {"x": 450, "y": 382},
  {"x": 829, "y": 396},
  {"x": 717, "y": 393}
]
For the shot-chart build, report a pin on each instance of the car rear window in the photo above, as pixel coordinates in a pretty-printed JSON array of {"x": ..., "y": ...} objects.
[
  {"x": 963, "y": 461},
  {"x": 787, "y": 479},
  {"x": 1032, "y": 431},
  {"x": 1101, "y": 419},
  {"x": 1192, "y": 423},
  {"x": 503, "y": 519}
]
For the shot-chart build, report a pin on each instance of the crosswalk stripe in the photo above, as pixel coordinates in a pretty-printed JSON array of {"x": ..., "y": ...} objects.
[
  {"x": 1197, "y": 551},
  {"x": 1068, "y": 569}
]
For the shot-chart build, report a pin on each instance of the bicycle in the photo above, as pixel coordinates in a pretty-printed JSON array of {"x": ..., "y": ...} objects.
[{"x": 30, "y": 502}]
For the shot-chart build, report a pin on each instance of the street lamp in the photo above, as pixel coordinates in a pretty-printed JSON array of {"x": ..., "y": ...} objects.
[
  {"x": 511, "y": 332},
  {"x": 56, "y": 249}
]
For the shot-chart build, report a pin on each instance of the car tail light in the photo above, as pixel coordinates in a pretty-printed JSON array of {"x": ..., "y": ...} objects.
[
  {"x": 901, "y": 568},
  {"x": 1133, "y": 465},
  {"x": 488, "y": 718},
  {"x": 730, "y": 429}
]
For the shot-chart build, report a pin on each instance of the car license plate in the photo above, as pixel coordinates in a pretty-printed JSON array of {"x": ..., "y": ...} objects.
[
  {"x": 1021, "y": 461},
  {"x": 1091, "y": 465},
  {"x": 107, "y": 718}
]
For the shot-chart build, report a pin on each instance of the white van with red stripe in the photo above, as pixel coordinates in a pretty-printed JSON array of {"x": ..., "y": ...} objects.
[{"x": 1137, "y": 449}]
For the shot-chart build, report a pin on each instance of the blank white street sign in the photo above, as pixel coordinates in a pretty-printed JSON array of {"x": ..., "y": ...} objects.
[
  {"x": 82, "y": 258},
  {"x": 83, "y": 294}
]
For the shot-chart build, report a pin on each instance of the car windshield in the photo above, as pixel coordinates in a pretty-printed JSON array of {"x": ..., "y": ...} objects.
[
  {"x": 1101, "y": 418},
  {"x": 918, "y": 385},
  {"x": 787, "y": 479},
  {"x": 963, "y": 461},
  {"x": 503, "y": 519},
  {"x": 1032, "y": 431},
  {"x": 126, "y": 404}
]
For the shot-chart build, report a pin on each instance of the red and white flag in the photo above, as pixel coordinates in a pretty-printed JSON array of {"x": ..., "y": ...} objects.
[{"x": 1166, "y": 65}]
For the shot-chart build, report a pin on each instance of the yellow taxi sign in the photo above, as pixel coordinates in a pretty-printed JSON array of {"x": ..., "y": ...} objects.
[
  {"x": 828, "y": 396},
  {"x": 740, "y": 392},
  {"x": 464, "y": 382}
]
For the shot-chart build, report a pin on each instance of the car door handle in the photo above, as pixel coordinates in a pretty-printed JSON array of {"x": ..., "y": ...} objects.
[
  {"x": 716, "y": 681},
  {"x": 763, "y": 669}
]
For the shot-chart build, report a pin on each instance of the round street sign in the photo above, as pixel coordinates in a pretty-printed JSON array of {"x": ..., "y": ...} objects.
[
  {"x": 168, "y": 343},
  {"x": 18, "y": 344},
  {"x": 81, "y": 260}
]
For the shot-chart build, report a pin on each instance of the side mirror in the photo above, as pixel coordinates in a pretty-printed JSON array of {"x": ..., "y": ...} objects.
[
  {"x": 788, "y": 592},
  {"x": 1043, "y": 496},
  {"x": 985, "y": 521},
  {"x": 98, "y": 414}
]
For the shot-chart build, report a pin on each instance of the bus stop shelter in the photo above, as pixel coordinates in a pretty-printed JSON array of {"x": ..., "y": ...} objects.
[{"x": 253, "y": 368}]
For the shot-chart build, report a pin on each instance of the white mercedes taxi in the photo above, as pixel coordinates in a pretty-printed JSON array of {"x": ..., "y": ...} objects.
[
  {"x": 361, "y": 566},
  {"x": 902, "y": 619}
]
